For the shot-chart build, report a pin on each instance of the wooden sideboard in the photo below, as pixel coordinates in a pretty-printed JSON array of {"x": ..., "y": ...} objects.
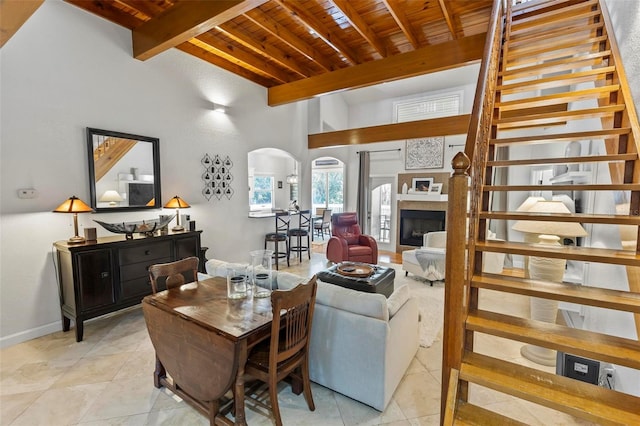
[{"x": 110, "y": 274}]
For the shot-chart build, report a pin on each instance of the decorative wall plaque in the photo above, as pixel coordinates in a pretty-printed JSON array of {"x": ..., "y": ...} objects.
[
  {"x": 424, "y": 153},
  {"x": 217, "y": 177}
]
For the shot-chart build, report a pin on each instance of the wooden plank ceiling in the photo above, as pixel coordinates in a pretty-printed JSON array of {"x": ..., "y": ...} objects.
[{"x": 276, "y": 43}]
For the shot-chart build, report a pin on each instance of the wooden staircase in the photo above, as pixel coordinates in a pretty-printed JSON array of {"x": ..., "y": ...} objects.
[{"x": 551, "y": 76}]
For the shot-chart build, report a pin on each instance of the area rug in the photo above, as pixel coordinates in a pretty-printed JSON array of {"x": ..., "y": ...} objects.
[{"x": 430, "y": 303}]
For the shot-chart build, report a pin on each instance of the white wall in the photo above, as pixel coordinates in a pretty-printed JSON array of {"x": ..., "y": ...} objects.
[{"x": 66, "y": 70}]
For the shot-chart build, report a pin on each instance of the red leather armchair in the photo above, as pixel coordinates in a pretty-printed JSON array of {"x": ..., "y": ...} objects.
[{"x": 347, "y": 243}]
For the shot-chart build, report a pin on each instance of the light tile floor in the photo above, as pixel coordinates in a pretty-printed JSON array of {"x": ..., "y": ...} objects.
[{"x": 107, "y": 380}]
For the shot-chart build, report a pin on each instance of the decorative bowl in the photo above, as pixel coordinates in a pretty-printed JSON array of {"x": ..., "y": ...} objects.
[{"x": 146, "y": 227}]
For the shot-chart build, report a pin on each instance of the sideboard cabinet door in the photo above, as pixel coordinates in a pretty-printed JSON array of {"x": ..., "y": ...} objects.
[{"x": 95, "y": 279}]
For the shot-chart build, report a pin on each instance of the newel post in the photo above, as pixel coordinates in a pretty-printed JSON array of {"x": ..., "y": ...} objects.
[{"x": 455, "y": 295}]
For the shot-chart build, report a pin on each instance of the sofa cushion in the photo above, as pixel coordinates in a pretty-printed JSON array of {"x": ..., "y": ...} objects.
[
  {"x": 218, "y": 268},
  {"x": 287, "y": 280},
  {"x": 368, "y": 304},
  {"x": 397, "y": 299}
]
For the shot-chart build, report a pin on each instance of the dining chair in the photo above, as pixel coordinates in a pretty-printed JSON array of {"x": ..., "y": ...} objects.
[
  {"x": 303, "y": 230},
  {"x": 173, "y": 273},
  {"x": 323, "y": 224},
  {"x": 286, "y": 353},
  {"x": 281, "y": 235}
]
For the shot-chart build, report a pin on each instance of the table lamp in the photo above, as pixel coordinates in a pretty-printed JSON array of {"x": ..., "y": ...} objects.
[
  {"x": 111, "y": 196},
  {"x": 177, "y": 203},
  {"x": 74, "y": 205},
  {"x": 545, "y": 269}
]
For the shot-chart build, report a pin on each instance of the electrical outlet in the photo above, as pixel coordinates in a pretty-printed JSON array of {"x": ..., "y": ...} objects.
[{"x": 27, "y": 193}]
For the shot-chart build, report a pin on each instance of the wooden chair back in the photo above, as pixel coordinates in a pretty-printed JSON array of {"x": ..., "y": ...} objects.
[
  {"x": 291, "y": 326},
  {"x": 173, "y": 273}
]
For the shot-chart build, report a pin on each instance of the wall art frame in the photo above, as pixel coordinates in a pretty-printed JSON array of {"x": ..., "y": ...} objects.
[{"x": 424, "y": 153}]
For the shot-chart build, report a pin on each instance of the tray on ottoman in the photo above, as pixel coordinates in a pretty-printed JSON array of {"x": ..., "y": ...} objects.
[{"x": 380, "y": 280}]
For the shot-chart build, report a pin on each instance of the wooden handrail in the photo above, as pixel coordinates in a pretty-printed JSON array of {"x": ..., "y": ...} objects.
[
  {"x": 633, "y": 275},
  {"x": 458, "y": 294}
]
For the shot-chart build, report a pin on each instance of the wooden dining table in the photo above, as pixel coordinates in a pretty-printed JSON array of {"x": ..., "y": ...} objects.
[{"x": 201, "y": 340}]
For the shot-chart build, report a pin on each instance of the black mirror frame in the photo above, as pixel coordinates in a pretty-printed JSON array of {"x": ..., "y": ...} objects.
[{"x": 157, "y": 192}]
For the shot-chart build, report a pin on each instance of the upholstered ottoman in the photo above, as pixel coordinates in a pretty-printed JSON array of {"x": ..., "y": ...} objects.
[{"x": 381, "y": 281}]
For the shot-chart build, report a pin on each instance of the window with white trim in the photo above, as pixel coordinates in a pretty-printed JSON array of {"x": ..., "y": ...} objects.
[
  {"x": 443, "y": 105},
  {"x": 261, "y": 196}
]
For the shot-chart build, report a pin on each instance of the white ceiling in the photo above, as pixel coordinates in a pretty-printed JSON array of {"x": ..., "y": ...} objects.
[{"x": 424, "y": 83}]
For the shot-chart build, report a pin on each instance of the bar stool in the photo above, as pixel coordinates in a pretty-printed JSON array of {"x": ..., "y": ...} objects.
[
  {"x": 282, "y": 231},
  {"x": 303, "y": 230}
]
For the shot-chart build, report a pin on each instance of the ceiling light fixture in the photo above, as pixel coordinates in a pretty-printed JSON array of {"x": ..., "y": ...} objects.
[{"x": 219, "y": 108}]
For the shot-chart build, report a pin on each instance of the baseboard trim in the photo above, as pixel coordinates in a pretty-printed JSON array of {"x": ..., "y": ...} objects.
[{"x": 32, "y": 333}]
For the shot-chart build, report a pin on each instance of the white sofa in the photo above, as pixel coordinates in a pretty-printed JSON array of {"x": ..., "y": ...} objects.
[{"x": 361, "y": 343}]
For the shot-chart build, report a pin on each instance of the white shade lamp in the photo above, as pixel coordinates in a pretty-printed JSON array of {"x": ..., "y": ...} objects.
[
  {"x": 545, "y": 233},
  {"x": 177, "y": 203},
  {"x": 111, "y": 196}
]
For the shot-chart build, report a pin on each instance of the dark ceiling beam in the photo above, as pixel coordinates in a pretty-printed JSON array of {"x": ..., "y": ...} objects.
[
  {"x": 276, "y": 30},
  {"x": 218, "y": 61},
  {"x": 361, "y": 26},
  {"x": 456, "y": 125},
  {"x": 448, "y": 17},
  {"x": 451, "y": 54},
  {"x": 265, "y": 49},
  {"x": 239, "y": 56},
  {"x": 303, "y": 17},
  {"x": 395, "y": 9},
  {"x": 184, "y": 21},
  {"x": 109, "y": 12},
  {"x": 14, "y": 14}
]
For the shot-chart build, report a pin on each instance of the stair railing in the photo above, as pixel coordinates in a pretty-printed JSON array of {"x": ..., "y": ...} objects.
[{"x": 460, "y": 244}]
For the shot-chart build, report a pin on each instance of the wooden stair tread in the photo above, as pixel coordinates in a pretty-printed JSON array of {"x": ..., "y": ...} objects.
[
  {"x": 557, "y": 17},
  {"x": 564, "y": 160},
  {"x": 527, "y": 40},
  {"x": 570, "y": 187},
  {"x": 587, "y": 254},
  {"x": 537, "y": 52},
  {"x": 564, "y": 64},
  {"x": 550, "y": 118},
  {"x": 583, "y": 295},
  {"x": 598, "y": 346},
  {"x": 515, "y": 62},
  {"x": 563, "y": 217},
  {"x": 469, "y": 414},
  {"x": 567, "y": 395},
  {"x": 556, "y": 80},
  {"x": 572, "y": 96},
  {"x": 530, "y": 7},
  {"x": 563, "y": 137}
]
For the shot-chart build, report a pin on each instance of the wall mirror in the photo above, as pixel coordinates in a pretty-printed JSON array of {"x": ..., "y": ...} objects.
[{"x": 124, "y": 171}]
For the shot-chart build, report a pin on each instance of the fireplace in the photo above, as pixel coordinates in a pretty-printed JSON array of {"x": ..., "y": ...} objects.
[{"x": 415, "y": 223}]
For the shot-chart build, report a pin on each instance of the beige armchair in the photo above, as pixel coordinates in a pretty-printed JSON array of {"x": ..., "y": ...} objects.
[{"x": 427, "y": 261}]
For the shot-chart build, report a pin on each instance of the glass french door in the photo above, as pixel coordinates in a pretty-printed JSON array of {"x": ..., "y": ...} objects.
[
  {"x": 381, "y": 213},
  {"x": 327, "y": 188}
]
